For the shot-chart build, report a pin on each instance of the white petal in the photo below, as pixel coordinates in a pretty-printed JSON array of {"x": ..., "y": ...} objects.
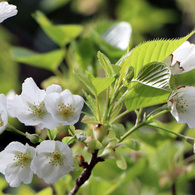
[
  {"x": 7, "y": 11},
  {"x": 16, "y": 107},
  {"x": 5, "y": 159},
  {"x": 3, "y": 113},
  {"x": 15, "y": 175},
  {"x": 47, "y": 146},
  {"x": 32, "y": 92},
  {"x": 54, "y": 88},
  {"x": 15, "y": 147},
  {"x": 11, "y": 95},
  {"x": 184, "y": 56},
  {"x": 182, "y": 105}
]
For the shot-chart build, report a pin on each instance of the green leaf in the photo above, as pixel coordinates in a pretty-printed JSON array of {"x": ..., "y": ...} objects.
[
  {"x": 101, "y": 84},
  {"x": 97, "y": 186},
  {"x": 106, "y": 64},
  {"x": 155, "y": 74},
  {"x": 124, "y": 62},
  {"x": 52, "y": 133},
  {"x": 49, "y": 61},
  {"x": 68, "y": 140},
  {"x": 83, "y": 52},
  {"x": 132, "y": 144},
  {"x": 60, "y": 34},
  {"x": 46, "y": 191},
  {"x": 90, "y": 103},
  {"x": 51, "y": 5},
  {"x": 64, "y": 184},
  {"x": 89, "y": 120},
  {"x": 95, "y": 85},
  {"x": 120, "y": 161},
  {"x": 23, "y": 190},
  {"x": 3, "y": 185},
  {"x": 118, "y": 129},
  {"x": 87, "y": 81},
  {"x": 157, "y": 50},
  {"x": 141, "y": 96}
]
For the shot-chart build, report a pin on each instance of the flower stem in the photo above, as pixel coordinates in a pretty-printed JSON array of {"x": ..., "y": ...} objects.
[
  {"x": 14, "y": 130},
  {"x": 98, "y": 109},
  {"x": 119, "y": 116},
  {"x": 156, "y": 115},
  {"x": 169, "y": 131},
  {"x": 130, "y": 131}
]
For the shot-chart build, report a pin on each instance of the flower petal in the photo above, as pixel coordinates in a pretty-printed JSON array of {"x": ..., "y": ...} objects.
[
  {"x": 182, "y": 105},
  {"x": 7, "y": 10}
]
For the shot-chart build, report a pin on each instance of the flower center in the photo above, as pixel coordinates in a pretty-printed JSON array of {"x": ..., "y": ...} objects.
[
  {"x": 56, "y": 158},
  {"x": 22, "y": 159},
  {"x": 181, "y": 105},
  {"x": 65, "y": 110},
  {"x": 38, "y": 110},
  {"x": 1, "y": 121}
]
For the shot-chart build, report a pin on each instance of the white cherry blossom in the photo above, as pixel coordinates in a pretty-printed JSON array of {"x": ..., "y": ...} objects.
[
  {"x": 3, "y": 113},
  {"x": 64, "y": 107},
  {"x": 15, "y": 161},
  {"x": 53, "y": 160},
  {"x": 182, "y": 59},
  {"x": 29, "y": 107},
  {"x": 182, "y": 104},
  {"x": 7, "y": 10}
]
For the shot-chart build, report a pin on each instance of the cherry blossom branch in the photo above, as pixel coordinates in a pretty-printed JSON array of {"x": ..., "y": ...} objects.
[{"x": 87, "y": 172}]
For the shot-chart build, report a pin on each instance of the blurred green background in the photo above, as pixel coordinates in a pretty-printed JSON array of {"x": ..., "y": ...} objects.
[{"x": 147, "y": 172}]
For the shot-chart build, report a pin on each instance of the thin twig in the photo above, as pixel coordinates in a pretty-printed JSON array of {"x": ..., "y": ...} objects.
[
  {"x": 86, "y": 173},
  {"x": 173, "y": 189}
]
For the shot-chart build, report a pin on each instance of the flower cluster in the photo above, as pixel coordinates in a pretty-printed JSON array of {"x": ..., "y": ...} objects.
[
  {"x": 182, "y": 100},
  {"x": 50, "y": 161},
  {"x": 45, "y": 108},
  {"x": 7, "y": 10}
]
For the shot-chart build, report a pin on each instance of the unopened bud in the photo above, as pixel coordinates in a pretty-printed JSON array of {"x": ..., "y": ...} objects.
[
  {"x": 34, "y": 138},
  {"x": 100, "y": 131},
  {"x": 92, "y": 144},
  {"x": 80, "y": 135},
  {"x": 108, "y": 153},
  {"x": 81, "y": 161}
]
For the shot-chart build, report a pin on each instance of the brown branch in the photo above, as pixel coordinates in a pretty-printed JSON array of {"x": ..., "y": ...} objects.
[
  {"x": 173, "y": 189},
  {"x": 86, "y": 172}
]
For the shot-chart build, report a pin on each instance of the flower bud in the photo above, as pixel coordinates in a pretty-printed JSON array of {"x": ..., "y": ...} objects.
[
  {"x": 81, "y": 161},
  {"x": 92, "y": 144},
  {"x": 108, "y": 153},
  {"x": 80, "y": 135},
  {"x": 99, "y": 132},
  {"x": 34, "y": 138}
]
